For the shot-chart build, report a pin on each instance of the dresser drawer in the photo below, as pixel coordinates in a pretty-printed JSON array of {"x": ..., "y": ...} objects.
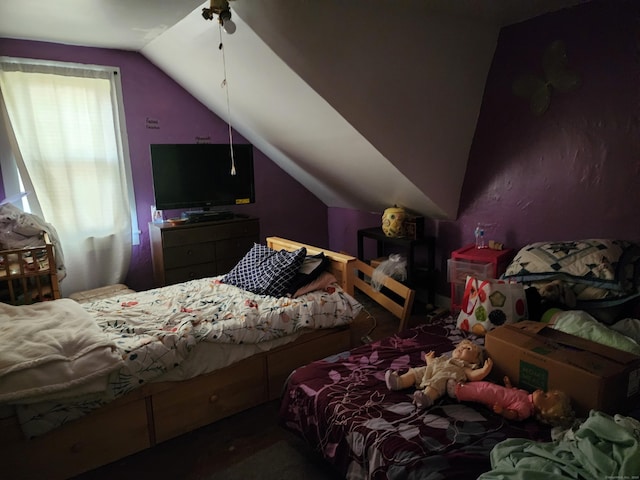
[
  {"x": 230, "y": 251},
  {"x": 191, "y": 272},
  {"x": 189, "y": 254},
  {"x": 208, "y": 398},
  {"x": 208, "y": 233}
]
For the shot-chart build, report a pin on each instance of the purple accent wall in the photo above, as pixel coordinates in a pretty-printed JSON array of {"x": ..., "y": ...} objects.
[
  {"x": 573, "y": 172},
  {"x": 152, "y": 99}
]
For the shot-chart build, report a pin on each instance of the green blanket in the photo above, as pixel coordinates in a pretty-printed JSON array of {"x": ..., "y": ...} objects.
[
  {"x": 600, "y": 447},
  {"x": 581, "y": 324}
]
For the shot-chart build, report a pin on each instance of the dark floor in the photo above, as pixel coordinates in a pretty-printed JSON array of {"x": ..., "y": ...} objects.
[{"x": 199, "y": 454}]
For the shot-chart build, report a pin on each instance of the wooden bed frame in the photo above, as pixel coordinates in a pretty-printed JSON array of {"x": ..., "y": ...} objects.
[{"x": 160, "y": 411}]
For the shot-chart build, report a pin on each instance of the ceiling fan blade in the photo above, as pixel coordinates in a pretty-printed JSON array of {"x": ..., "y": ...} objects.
[
  {"x": 526, "y": 85},
  {"x": 540, "y": 100},
  {"x": 554, "y": 58},
  {"x": 565, "y": 81}
]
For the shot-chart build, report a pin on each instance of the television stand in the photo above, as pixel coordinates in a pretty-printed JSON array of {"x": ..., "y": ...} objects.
[{"x": 207, "y": 216}]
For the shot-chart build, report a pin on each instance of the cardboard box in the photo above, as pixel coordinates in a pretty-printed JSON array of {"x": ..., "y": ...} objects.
[{"x": 534, "y": 355}]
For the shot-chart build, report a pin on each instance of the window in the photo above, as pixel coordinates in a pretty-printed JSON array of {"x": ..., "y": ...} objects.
[{"x": 65, "y": 128}]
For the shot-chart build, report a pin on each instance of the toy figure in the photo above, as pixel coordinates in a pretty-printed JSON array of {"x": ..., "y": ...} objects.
[
  {"x": 552, "y": 407},
  {"x": 466, "y": 363}
]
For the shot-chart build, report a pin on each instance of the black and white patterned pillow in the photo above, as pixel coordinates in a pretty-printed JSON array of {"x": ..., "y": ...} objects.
[{"x": 266, "y": 271}]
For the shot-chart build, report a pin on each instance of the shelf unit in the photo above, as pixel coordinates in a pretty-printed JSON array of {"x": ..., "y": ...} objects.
[{"x": 420, "y": 274}]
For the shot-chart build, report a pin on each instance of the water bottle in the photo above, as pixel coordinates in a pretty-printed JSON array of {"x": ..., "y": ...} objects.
[{"x": 480, "y": 236}]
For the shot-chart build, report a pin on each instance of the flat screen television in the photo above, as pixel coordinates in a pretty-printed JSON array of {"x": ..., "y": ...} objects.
[{"x": 198, "y": 176}]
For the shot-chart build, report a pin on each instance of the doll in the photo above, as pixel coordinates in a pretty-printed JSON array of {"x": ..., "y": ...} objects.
[
  {"x": 552, "y": 407},
  {"x": 466, "y": 363}
]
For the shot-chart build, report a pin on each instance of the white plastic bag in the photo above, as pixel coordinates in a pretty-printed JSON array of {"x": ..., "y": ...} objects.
[{"x": 395, "y": 267}]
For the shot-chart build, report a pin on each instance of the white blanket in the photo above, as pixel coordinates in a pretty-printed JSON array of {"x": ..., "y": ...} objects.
[{"x": 50, "y": 347}]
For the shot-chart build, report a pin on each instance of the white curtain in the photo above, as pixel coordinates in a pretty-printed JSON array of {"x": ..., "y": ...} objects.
[{"x": 64, "y": 128}]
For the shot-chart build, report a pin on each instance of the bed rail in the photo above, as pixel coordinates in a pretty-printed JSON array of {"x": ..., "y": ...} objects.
[{"x": 400, "y": 299}]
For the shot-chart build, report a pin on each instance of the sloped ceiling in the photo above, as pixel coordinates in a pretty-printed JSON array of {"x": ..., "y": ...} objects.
[{"x": 367, "y": 103}]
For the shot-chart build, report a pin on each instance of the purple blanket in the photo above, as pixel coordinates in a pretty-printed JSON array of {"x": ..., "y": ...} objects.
[{"x": 342, "y": 408}]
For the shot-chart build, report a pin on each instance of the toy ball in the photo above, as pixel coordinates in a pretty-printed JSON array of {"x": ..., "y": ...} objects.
[{"x": 393, "y": 222}]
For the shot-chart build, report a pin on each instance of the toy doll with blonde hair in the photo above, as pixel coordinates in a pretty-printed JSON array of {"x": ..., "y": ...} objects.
[
  {"x": 552, "y": 407},
  {"x": 466, "y": 363}
]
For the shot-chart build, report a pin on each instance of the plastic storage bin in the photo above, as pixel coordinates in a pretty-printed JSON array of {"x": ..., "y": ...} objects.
[{"x": 459, "y": 269}]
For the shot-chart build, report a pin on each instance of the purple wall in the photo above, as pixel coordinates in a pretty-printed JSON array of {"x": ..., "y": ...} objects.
[
  {"x": 573, "y": 172},
  {"x": 285, "y": 207},
  {"x": 570, "y": 173}
]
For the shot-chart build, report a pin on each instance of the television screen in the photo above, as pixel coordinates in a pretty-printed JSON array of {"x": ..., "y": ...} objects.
[{"x": 198, "y": 176}]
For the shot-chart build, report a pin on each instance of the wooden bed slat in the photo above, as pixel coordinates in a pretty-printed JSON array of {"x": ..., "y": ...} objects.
[{"x": 406, "y": 295}]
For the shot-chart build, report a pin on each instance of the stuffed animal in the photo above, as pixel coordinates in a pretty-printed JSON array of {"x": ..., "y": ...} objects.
[
  {"x": 557, "y": 291},
  {"x": 552, "y": 407},
  {"x": 466, "y": 363}
]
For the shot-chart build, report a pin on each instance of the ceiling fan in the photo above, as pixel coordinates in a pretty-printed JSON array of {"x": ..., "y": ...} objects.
[{"x": 222, "y": 9}]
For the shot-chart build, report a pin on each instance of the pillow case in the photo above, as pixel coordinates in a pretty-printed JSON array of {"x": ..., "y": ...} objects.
[
  {"x": 266, "y": 271},
  {"x": 489, "y": 303},
  {"x": 600, "y": 263},
  {"x": 323, "y": 281},
  {"x": 311, "y": 268}
]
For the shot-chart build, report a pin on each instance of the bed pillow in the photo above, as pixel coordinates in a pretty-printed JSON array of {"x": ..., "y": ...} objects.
[
  {"x": 600, "y": 263},
  {"x": 311, "y": 268},
  {"x": 489, "y": 303},
  {"x": 323, "y": 281},
  {"x": 266, "y": 271}
]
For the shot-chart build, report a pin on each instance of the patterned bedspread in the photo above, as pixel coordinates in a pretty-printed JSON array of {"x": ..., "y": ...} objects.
[
  {"x": 342, "y": 408},
  {"x": 155, "y": 330}
]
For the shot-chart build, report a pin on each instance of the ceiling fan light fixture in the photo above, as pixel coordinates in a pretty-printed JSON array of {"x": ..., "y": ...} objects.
[{"x": 220, "y": 8}]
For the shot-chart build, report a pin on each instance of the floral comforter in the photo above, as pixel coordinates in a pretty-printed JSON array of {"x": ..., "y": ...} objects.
[
  {"x": 342, "y": 408},
  {"x": 155, "y": 330}
]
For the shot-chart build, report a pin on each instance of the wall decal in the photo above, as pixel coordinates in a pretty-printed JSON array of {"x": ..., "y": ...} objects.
[
  {"x": 152, "y": 123},
  {"x": 556, "y": 77}
]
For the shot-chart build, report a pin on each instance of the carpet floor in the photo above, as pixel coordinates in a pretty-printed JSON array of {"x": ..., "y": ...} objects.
[{"x": 280, "y": 461}]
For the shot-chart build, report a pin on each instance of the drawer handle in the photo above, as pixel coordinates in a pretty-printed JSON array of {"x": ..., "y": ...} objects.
[{"x": 213, "y": 398}]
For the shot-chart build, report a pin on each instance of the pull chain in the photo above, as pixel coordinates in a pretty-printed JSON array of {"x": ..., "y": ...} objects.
[{"x": 225, "y": 85}]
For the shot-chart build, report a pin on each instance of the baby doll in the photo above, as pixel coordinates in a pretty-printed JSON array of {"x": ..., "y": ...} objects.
[
  {"x": 552, "y": 407},
  {"x": 465, "y": 364}
]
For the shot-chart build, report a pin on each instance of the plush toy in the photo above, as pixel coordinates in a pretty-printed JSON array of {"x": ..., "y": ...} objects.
[
  {"x": 552, "y": 407},
  {"x": 466, "y": 363},
  {"x": 557, "y": 291}
]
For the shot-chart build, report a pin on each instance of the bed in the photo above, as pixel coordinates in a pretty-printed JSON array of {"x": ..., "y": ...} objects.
[
  {"x": 341, "y": 407},
  {"x": 207, "y": 370}
]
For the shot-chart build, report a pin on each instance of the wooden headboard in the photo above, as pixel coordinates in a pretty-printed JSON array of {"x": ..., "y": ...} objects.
[{"x": 340, "y": 263}]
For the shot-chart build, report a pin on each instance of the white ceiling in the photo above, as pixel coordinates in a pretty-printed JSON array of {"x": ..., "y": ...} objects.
[{"x": 364, "y": 104}]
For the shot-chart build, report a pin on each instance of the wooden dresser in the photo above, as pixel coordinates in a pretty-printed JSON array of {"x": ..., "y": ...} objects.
[{"x": 196, "y": 250}]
